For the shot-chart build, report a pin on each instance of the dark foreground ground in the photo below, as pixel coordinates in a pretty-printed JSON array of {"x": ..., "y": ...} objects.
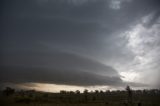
[{"x": 9, "y": 97}]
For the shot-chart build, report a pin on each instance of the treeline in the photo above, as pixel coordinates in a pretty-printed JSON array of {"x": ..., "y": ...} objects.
[
  {"x": 126, "y": 97},
  {"x": 9, "y": 91}
]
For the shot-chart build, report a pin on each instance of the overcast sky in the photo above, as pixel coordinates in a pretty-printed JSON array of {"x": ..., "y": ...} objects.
[{"x": 80, "y": 42}]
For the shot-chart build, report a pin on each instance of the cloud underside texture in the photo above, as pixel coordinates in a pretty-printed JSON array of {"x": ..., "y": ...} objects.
[
  {"x": 59, "y": 68},
  {"x": 52, "y": 41}
]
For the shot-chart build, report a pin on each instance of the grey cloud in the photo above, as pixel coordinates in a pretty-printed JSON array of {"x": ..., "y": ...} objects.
[
  {"x": 57, "y": 67},
  {"x": 34, "y": 17},
  {"x": 86, "y": 25},
  {"x": 153, "y": 19},
  {"x": 87, "y": 28},
  {"x": 80, "y": 78},
  {"x": 116, "y": 4},
  {"x": 55, "y": 59}
]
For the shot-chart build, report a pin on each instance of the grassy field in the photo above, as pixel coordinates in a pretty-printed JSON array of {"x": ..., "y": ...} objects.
[{"x": 64, "y": 98}]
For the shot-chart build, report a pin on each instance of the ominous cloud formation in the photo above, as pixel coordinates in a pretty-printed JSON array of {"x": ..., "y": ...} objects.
[
  {"x": 59, "y": 68},
  {"x": 80, "y": 42}
]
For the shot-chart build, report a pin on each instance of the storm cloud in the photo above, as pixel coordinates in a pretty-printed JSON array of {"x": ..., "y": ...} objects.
[
  {"x": 59, "y": 68},
  {"x": 80, "y": 42}
]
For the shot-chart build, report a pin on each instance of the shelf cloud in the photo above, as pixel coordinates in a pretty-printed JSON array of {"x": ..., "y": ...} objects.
[{"x": 80, "y": 42}]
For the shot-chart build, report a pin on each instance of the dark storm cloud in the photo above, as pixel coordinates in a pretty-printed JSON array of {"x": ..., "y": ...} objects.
[
  {"x": 80, "y": 78},
  {"x": 30, "y": 27},
  {"x": 57, "y": 67},
  {"x": 153, "y": 19},
  {"x": 68, "y": 24}
]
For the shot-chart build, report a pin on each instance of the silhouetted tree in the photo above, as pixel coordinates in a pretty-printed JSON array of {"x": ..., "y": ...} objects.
[
  {"x": 101, "y": 92},
  {"x": 8, "y": 91},
  {"x": 85, "y": 95},
  {"x": 129, "y": 94},
  {"x": 85, "y": 91},
  {"x": 71, "y": 92},
  {"x": 96, "y": 91},
  {"x": 107, "y": 92},
  {"x": 77, "y": 92},
  {"x": 63, "y": 92}
]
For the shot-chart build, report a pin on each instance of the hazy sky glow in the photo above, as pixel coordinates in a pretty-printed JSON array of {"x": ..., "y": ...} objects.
[{"x": 76, "y": 44}]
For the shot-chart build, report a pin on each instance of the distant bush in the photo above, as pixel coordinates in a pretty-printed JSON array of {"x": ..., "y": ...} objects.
[{"x": 8, "y": 91}]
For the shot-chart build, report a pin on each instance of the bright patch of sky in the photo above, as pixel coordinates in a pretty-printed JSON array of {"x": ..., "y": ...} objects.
[
  {"x": 116, "y": 4},
  {"x": 142, "y": 42}
]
